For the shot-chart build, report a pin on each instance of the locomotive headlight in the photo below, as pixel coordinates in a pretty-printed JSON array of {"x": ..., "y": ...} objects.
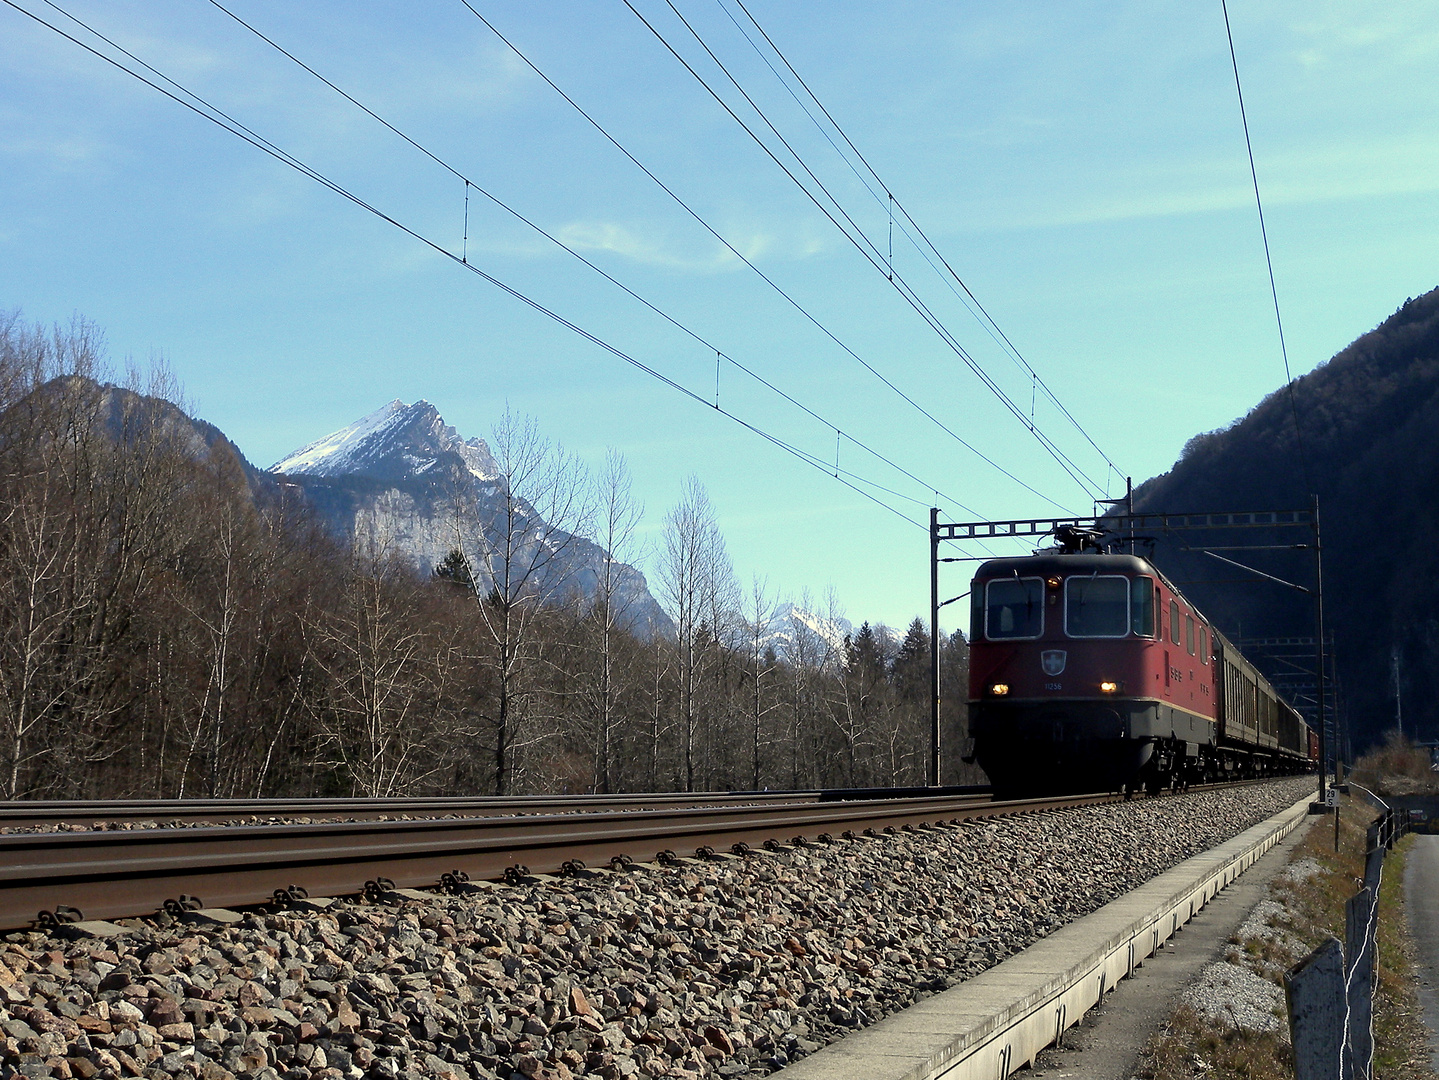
[
  {"x": 999, "y": 689},
  {"x": 1109, "y": 688}
]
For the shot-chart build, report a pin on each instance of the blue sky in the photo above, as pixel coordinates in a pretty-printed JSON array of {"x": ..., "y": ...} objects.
[{"x": 1082, "y": 167}]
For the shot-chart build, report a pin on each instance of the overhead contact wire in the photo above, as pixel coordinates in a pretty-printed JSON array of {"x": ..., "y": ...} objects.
[
  {"x": 469, "y": 183},
  {"x": 1268, "y": 261},
  {"x": 222, "y": 120},
  {"x": 994, "y": 329},
  {"x": 560, "y": 243},
  {"x": 877, "y": 258},
  {"x": 766, "y": 278}
]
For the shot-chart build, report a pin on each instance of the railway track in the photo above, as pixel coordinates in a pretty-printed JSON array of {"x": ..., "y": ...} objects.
[
  {"x": 88, "y": 813},
  {"x": 107, "y": 874}
]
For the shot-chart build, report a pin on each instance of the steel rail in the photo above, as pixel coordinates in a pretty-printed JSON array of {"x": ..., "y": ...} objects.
[
  {"x": 90, "y": 812},
  {"x": 113, "y": 874},
  {"x": 236, "y": 811}
]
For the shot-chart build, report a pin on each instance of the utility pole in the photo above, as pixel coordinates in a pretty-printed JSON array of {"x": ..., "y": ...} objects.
[
  {"x": 1129, "y": 509},
  {"x": 1320, "y": 672},
  {"x": 934, "y": 646}
]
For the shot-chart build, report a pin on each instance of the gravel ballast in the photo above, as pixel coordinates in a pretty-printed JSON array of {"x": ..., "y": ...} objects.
[{"x": 730, "y": 968}]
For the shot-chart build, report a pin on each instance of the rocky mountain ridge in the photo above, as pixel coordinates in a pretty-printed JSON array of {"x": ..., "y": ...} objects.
[{"x": 405, "y": 479}]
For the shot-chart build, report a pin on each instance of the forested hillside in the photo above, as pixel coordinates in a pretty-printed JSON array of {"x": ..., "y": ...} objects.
[
  {"x": 173, "y": 623},
  {"x": 1368, "y": 444}
]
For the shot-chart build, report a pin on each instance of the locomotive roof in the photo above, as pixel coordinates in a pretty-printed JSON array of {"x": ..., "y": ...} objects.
[{"x": 1087, "y": 563}]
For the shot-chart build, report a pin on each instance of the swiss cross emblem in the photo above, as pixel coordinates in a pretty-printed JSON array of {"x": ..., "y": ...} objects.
[{"x": 1053, "y": 660}]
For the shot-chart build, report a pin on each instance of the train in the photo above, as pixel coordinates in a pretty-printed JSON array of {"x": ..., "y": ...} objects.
[{"x": 1090, "y": 671}]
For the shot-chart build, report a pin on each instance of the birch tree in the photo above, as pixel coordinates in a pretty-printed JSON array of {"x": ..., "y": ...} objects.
[
  {"x": 617, "y": 516},
  {"x": 694, "y": 574},
  {"x": 760, "y": 665},
  {"x": 371, "y": 651},
  {"x": 517, "y": 534}
]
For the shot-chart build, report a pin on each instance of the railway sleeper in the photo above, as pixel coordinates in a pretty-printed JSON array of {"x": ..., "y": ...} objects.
[{"x": 1167, "y": 760}]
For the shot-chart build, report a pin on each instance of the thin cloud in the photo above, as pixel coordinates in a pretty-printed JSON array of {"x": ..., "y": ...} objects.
[
  {"x": 1399, "y": 33},
  {"x": 1307, "y": 176},
  {"x": 756, "y": 244},
  {"x": 490, "y": 78},
  {"x": 649, "y": 250},
  {"x": 61, "y": 153}
]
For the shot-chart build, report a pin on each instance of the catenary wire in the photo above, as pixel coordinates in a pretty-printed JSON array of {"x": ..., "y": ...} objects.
[
  {"x": 757, "y": 270},
  {"x": 896, "y": 280},
  {"x": 218, "y": 117},
  {"x": 709, "y": 346},
  {"x": 993, "y": 328},
  {"x": 810, "y": 458},
  {"x": 884, "y": 197},
  {"x": 1268, "y": 261},
  {"x": 873, "y": 255},
  {"x": 877, "y": 258}
]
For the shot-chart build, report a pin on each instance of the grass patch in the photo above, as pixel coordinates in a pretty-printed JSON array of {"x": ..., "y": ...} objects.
[
  {"x": 1311, "y": 893},
  {"x": 1192, "y": 1045}
]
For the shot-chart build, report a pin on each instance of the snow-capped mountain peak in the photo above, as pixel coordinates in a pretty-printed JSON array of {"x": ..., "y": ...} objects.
[
  {"x": 832, "y": 631},
  {"x": 793, "y": 630},
  {"x": 404, "y": 479},
  {"x": 394, "y": 442},
  {"x": 328, "y": 456}
]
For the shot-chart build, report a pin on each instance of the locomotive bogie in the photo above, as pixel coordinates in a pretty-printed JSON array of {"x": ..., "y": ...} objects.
[{"x": 1084, "y": 745}]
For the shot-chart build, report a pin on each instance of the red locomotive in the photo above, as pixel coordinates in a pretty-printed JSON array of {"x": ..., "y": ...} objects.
[{"x": 1091, "y": 672}]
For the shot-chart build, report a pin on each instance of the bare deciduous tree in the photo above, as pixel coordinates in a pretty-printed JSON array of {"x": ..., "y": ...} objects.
[
  {"x": 372, "y": 652},
  {"x": 760, "y": 665},
  {"x": 517, "y": 558},
  {"x": 695, "y": 578},
  {"x": 173, "y": 623},
  {"x": 617, "y": 517}
]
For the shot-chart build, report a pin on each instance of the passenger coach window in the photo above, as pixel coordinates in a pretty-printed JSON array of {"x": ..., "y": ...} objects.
[
  {"x": 1096, "y": 606},
  {"x": 1014, "y": 608},
  {"x": 1141, "y": 606},
  {"x": 1189, "y": 633},
  {"x": 1174, "y": 621}
]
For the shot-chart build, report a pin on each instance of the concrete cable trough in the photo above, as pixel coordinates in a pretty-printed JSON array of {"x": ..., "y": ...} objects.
[{"x": 1001, "y": 1019}]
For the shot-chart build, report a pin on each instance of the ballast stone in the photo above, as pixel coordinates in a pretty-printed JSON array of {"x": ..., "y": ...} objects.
[{"x": 729, "y": 968}]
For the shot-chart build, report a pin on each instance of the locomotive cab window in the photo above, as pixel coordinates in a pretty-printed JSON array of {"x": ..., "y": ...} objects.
[
  {"x": 1014, "y": 608},
  {"x": 1141, "y": 606},
  {"x": 1096, "y": 606},
  {"x": 1203, "y": 646}
]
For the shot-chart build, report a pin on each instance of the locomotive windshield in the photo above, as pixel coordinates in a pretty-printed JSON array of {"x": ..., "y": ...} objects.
[
  {"x": 1096, "y": 606},
  {"x": 1014, "y": 608}
]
